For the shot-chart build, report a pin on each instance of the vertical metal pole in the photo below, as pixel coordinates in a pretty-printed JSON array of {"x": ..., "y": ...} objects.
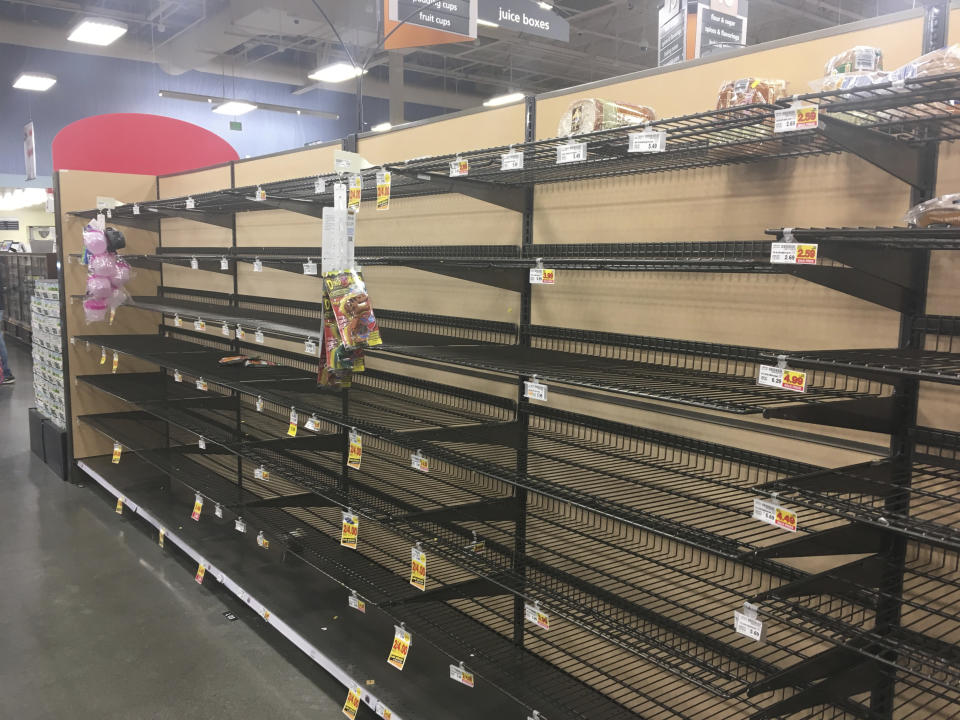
[
  {"x": 71, "y": 472},
  {"x": 236, "y": 303},
  {"x": 523, "y": 419},
  {"x": 888, "y": 616},
  {"x": 351, "y": 143}
]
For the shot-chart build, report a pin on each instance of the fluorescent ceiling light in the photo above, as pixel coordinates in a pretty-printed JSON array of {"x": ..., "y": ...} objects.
[
  {"x": 338, "y": 72},
  {"x": 382, "y": 127},
  {"x": 504, "y": 99},
  {"x": 234, "y": 107},
  {"x": 34, "y": 81},
  {"x": 545, "y": 5},
  {"x": 20, "y": 198},
  {"x": 486, "y": 23},
  {"x": 97, "y": 31}
]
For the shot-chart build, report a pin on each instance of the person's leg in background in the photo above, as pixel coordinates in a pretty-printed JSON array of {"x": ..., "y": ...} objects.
[{"x": 4, "y": 363}]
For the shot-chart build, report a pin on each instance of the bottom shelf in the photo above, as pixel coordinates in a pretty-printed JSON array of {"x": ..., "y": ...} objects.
[{"x": 314, "y": 605}]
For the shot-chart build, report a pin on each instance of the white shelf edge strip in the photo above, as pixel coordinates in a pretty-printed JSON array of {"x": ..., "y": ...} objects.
[{"x": 289, "y": 633}]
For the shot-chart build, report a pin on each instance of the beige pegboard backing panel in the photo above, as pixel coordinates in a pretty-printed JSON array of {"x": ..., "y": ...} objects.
[
  {"x": 285, "y": 166},
  {"x": 79, "y": 191},
  {"x": 694, "y": 89}
]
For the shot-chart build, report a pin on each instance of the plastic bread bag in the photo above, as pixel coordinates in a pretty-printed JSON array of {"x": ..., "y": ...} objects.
[
  {"x": 861, "y": 58},
  {"x": 939, "y": 62},
  {"x": 938, "y": 212},
  {"x": 750, "y": 91},
  {"x": 592, "y": 114},
  {"x": 351, "y": 308},
  {"x": 848, "y": 81}
]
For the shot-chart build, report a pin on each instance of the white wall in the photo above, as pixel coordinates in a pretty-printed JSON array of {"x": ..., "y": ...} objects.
[{"x": 28, "y": 217}]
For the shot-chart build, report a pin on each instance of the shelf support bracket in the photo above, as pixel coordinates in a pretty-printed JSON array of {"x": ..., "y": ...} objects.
[
  {"x": 304, "y": 207},
  {"x": 219, "y": 219},
  {"x": 479, "y": 587},
  {"x": 513, "y": 279},
  {"x": 875, "y": 478},
  {"x": 856, "y": 283},
  {"x": 854, "y": 539},
  {"x": 304, "y": 442},
  {"x": 505, "y": 509},
  {"x": 874, "y": 414},
  {"x": 511, "y": 197},
  {"x": 896, "y": 157},
  {"x": 140, "y": 223},
  {"x": 840, "y": 581},
  {"x": 818, "y": 667},
  {"x": 844, "y": 683}
]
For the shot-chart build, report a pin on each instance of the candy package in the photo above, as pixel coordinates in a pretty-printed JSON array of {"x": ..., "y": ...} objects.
[
  {"x": 351, "y": 307},
  {"x": 938, "y": 212}
]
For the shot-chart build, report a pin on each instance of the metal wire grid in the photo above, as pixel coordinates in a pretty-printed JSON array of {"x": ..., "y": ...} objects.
[
  {"x": 901, "y": 238},
  {"x": 929, "y": 365},
  {"x": 554, "y": 524},
  {"x": 253, "y": 319}
]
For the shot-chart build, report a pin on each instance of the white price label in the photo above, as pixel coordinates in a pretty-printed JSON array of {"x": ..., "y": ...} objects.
[
  {"x": 202, "y": 443},
  {"x": 571, "y": 153},
  {"x": 532, "y": 613},
  {"x": 177, "y": 322},
  {"x": 202, "y": 385},
  {"x": 648, "y": 141},
  {"x": 259, "y": 195},
  {"x": 311, "y": 423},
  {"x": 533, "y": 390},
  {"x": 793, "y": 119},
  {"x": 239, "y": 525},
  {"x": 257, "y": 265},
  {"x": 543, "y": 276},
  {"x": 511, "y": 161},
  {"x": 199, "y": 325},
  {"x": 258, "y": 337},
  {"x": 319, "y": 186},
  {"x": 310, "y": 268},
  {"x": 459, "y": 167},
  {"x": 259, "y": 404},
  {"x": 461, "y": 675},
  {"x": 225, "y": 330},
  {"x": 190, "y": 204},
  {"x": 751, "y": 627},
  {"x": 194, "y": 265},
  {"x": 772, "y": 514},
  {"x": 419, "y": 462},
  {"x": 218, "y": 510},
  {"x": 357, "y": 604},
  {"x": 788, "y": 253},
  {"x": 240, "y": 334},
  {"x": 177, "y": 377},
  {"x": 136, "y": 209},
  {"x": 224, "y": 264},
  {"x": 783, "y": 378},
  {"x": 310, "y": 347}
]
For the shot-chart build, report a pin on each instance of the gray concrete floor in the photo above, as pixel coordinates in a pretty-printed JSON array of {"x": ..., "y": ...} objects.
[{"x": 96, "y": 621}]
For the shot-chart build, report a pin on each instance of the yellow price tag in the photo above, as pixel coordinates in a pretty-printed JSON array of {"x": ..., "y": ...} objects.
[
  {"x": 292, "y": 430},
  {"x": 352, "y": 705},
  {"x": 116, "y": 362},
  {"x": 160, "y": 537},
  {"x": 119, "y": 506},
  {"x": 400, "y": 648},
  {"x": 103, "y": 356},
  {"x": 383, "y": 190},
  {"x": 356, "y": 450},
  {"x": 197, "y": 508},
  {"x": 418, "y": 569},
  {"x": 350, "y": 530},
  {"x": 117, "y": 450},
  {"x": 794, "y": 380},
  {"x": 201, "y": 571},
  {"x": 807, "y": 253},
  {"x": 355, "y": 191}
]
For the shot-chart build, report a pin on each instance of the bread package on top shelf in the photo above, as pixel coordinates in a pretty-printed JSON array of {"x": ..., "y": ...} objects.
[
  {"x": 750, "y": 91},
  {"x": 939, "y": 62},
  {"x": 944, "y": 210},
  {"x": 592, "y": 114},
  {"x": 861, "y": 58}
]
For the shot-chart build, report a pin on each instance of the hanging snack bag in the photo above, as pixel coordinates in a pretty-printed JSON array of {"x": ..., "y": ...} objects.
[{"x": 352, "y": 309}]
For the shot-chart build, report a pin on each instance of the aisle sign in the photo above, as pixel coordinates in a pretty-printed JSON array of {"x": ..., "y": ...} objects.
[
  {"x": 789, "y": 253},
  {"x": 197, "y": 508},
  {"x": 418, "y": 568},
  {"x": 461, "y": 675},
  {"x": 796, "y": 118},
  {"x": 356, "y": 450},
  {"x": 352, "y": 705},
  {"x": 719, "y": 30},
  {"x": 117, "y": 450},
  {"x": 773, "y": 514},
  {"x": 533, "y": 614},
  {"x": 400, "y": 648},
  {"x": 383, "y": 190},
  {"x": 571, "y": 152},
  {"x": 350, "y": 530},
  {"x": 543, "y": 276},
  {"x": 459, "y": 167},
  {"x": 784, "y": 378},
  {"x": 119, "y": 508},
  {"x": 672, "y": 34},
  {"x": 512, "y": 160},
  {"x": 648, "y": 141},
  {"x": 201, "y": 571},
  {"x": 355, "y": 191}
]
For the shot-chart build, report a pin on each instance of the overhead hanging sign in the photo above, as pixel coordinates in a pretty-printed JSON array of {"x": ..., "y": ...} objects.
[
  {"x": 413, "y": 23},
  {"x": 30, "y": 151},
  {"x": 721, "y": 25},
  {"x": 524, "y": 16},
  {"x": 672, "y": 32}
]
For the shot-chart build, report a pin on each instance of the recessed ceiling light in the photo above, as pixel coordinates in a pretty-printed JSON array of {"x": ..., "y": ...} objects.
[
  {"x": 97, "y": 31},
  {"x": 338, "y": 72},
  {"x": 504, "y": 99},
  {"x": 34, "y": 81},
  {"x": 234, "y": 107},
  {"x": 382, "y": 127},
  {"x": 486, "y": 23},
  {"x": 545, "y": 5}
]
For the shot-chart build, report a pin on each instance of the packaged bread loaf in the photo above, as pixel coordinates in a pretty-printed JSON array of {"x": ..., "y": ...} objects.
[
  {"x": 861, "y": 58},
  {"x": 944, "y": 210},
  {"x": 750, "y": 91},
  {"x": 591, "y": 114},
  {"x": 849, "y": 81},
  {"x": 939, "y": 62}
]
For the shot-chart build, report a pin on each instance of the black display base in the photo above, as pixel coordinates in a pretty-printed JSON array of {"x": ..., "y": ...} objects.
[
  {"x": 35, "y": 421},
  {"x": 55, "y": 448},
  {"x": 308, "y": 608}
]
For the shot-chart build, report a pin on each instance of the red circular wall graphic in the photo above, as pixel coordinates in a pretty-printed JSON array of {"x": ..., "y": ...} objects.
[{"x": 138, "y": 143}]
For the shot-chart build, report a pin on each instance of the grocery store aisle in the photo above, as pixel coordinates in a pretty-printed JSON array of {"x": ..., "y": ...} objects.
[{"x": 96, "y": 621}]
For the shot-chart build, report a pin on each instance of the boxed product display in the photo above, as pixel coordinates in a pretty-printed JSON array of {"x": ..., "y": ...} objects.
[
  {"x": 48, "y": 383},
  {"x": 937, "y": 212},
  {"x": 750, "y": 91},
  {"x": 592, "y": 114}
]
